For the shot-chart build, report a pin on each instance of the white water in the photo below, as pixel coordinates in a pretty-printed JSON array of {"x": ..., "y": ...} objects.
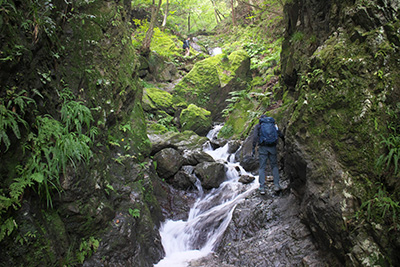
[{"x": 209, "y": 217}]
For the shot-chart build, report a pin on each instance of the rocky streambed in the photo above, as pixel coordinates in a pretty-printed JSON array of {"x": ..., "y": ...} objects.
[{"x": 262, "y": 231}]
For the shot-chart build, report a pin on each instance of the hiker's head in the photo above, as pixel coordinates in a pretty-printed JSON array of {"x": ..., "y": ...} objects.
[{"x": 263, "y": 116}]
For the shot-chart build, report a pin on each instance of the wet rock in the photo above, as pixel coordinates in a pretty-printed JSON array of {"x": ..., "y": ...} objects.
[
  {"x": 196, "y": 157},
  {"x": 126, "y": 236},
  {"x": 211, "y": 174},
  {"x": 184, "y": 178},
  {"x": 267, "y": 231},
  {"x": 246, "y": 179},
  {"x": 217, "y": 142},
  {"x": 249, "y": 163},
  {"x": 169, "y": 161},
  {"x": 233, "y": 146}
]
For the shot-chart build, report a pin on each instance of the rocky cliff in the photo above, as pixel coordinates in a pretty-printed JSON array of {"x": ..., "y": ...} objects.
[
  {"x": 340, "y": 69},
  {"x": 74, "y": 143}
]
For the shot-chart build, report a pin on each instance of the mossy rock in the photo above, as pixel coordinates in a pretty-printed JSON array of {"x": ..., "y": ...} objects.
[
  {"x": 196, "y": 119},
  {"x": 208, "y": 84},
  {"x": 156, "y": 99}
]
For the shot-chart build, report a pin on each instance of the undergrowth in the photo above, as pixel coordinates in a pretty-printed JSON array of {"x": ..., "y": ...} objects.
[{"x": 49, "y": 148}]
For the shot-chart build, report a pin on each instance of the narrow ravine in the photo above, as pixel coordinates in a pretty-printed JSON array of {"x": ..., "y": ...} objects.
[{"x": 209, "y": 217}]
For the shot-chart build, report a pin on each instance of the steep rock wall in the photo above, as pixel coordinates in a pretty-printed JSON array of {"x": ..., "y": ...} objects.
[
  {"x": 58, "y": 52},
  {"x": 340, "y": 68}
]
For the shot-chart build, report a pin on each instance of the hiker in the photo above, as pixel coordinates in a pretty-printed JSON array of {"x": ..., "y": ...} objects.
[
  {"x": 186, "y": 46},
  {"x": 266, "y": 135}
]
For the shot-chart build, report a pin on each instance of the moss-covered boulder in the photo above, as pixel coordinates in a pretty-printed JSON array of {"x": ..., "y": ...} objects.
[
  {"x": 209, "y": 82},
  {"x": 155, "y": 99},
  {"x": 196, "y": 119}
]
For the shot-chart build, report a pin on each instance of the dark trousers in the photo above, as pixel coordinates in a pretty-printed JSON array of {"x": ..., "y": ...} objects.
[{"x": 268, "y": 153}]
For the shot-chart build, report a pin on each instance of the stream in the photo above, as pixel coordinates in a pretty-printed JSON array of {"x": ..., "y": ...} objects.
[{"x": 184, "y": 241}]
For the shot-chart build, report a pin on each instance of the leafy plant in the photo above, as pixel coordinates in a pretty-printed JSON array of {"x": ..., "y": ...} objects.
[
  {"x": 236, "y": 96},
  {"x": 9, "y": 117},
  {"x": 381, "y": 208},
  {"x": 392, "y": 157},
  {"x": 49, "y": 151},
  {"x": 86, "y": 248},
  {"x": 135, "y": 213}
]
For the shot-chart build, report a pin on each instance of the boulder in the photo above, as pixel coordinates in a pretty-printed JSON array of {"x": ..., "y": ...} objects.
[
  {"x": 169, "y": 161},
  {"x": 211, "y": 80},
  {"x": 249, "y": 163},
  {"x": 155, "y": 99},
  {"x": 196, "y": 119},
  {"x": 195, "y": 157},
  {"x": 211, "y": 174},
  {"x": 184, "y": 141},
  {"x": 184, "y": 178},
  {"x": 233, "y": 146}
]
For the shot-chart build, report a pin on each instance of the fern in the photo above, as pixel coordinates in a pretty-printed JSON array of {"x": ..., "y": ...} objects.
[
  {"x": 55, "y": 146},
  {"x": 381, "y": 208},
  {"x": 74, "y": 114},
  {"x": 9, "y": 120},
  {"x": 392, "y": 157}
]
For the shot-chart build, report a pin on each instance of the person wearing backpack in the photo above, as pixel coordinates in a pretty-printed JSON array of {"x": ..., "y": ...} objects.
[
  {"x": 266, "y": 135},
  {"x": 186, "y": 46}
]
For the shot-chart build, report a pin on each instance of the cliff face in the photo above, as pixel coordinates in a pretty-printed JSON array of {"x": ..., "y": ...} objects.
[
  {"x": 340, "y": 68},
  {"x": 76, "y": 137}
]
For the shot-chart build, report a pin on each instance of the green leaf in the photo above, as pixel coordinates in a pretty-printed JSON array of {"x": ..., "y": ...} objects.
[{"x": 38, "y": 177}]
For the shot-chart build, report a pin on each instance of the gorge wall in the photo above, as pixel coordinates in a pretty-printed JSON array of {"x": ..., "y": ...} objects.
[
  {"x": 340, "y": 69},
  {"x": 56, "y": 55}
]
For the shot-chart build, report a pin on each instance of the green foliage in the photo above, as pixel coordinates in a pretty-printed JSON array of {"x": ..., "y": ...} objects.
[
  {"x": 86, "y": 248},
  {"x": 135, "y": 213},
  {"x": 49, "y": 150},
  {"x": 391, "y": 157},
  {"x": 226, "y": 131},
  {"x": 381, "y": 208},
  {"x": 236, "y": 96},
  {"x": 297, "y": 37},
  {"x": 9, "y": 120}
]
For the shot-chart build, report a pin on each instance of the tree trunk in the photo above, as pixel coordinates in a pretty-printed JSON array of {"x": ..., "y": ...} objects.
[
  {"x": 233, "y": 12},
  {"x": 215, "y": 11},
  {"x": 189, "y": 22},
  {"x": 145, "y": 49},
  {"x": 165, "y": 16}
]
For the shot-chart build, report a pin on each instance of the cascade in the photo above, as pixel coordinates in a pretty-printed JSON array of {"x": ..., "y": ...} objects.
[{"x": 211, "y": 214}]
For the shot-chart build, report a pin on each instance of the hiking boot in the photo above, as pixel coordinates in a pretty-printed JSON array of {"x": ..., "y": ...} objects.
[
  {"x": 277, "y": 188},
  {"x": 262, "y": 191}
]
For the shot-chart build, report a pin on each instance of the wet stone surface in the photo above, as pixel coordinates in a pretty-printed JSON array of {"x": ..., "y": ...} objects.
[{"x": 266, "y": 231}]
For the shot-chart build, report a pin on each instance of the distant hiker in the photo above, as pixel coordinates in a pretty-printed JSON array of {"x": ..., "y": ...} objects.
[
  {"x": 266, "y": 135},
  {"x": 186, "y": 46}
]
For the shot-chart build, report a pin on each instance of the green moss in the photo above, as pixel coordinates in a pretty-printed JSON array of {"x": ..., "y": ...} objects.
[
  {"x": 208, "y": 76},
  {"x": 195, "y": 119},
  {"x": 156, "y": 99}
]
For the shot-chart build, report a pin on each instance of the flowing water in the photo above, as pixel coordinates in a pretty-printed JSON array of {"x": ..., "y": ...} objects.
[{"x": 184, "y": 241}]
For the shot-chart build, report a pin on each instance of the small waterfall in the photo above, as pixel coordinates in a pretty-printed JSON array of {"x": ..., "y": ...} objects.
[{"x": 184, "y": 241}]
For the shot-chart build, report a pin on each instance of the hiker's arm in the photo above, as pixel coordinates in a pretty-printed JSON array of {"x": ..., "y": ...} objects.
[{"x": 255, "y": 137}]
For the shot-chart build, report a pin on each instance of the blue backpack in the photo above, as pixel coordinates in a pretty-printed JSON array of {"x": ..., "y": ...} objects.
[{"x": 268, "y": 132}]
